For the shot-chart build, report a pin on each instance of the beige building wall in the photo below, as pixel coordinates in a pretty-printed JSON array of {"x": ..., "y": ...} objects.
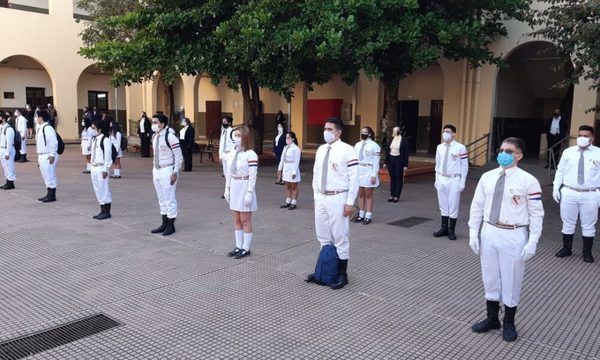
[
  {"x": 15, "y": 80},
  {"x": 90, "y": 82},
  {"x": 423, "y": 85}
]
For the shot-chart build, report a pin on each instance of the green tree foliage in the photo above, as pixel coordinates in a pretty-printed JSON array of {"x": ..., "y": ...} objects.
[{"x": 575, "y": 27}]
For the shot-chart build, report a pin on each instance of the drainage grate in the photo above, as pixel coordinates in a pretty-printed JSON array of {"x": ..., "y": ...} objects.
[
  {"x": 47, "y": 339},
  {"x": 410, "y": 221}
]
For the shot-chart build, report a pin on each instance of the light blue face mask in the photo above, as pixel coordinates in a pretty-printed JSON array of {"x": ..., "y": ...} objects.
[{"x": 505, "y": 159}]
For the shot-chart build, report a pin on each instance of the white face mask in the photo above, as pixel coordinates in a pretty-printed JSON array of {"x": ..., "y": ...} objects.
[
  {"x": 82, "y": 122},
  {"x": 183, "y": 123},
  {"x": 92, "y": 132},
  {"x": 237, "y": 140},
  {"x": 328, "y": 137},
  {"x": 582, "y": 141},
  {"x": 155, "y": 127},
  {"x": 280, "y": 130},
  {"x": 446, "y": 136}
]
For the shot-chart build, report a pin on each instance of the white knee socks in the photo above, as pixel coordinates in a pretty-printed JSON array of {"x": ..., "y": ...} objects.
[
  {"x": 239, "y": 239},
  {"x": 247, "y": 241}
]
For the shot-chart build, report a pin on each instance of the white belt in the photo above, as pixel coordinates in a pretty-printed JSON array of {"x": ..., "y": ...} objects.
[
  {"x": 364, "y": 164},
  {"x": 450, "y": 175},
  {"x": 46, "y": 153},
  {"x": 506, "y": 226},
  {"x": 334, "y": 192},
  {"x": 288, "y": 162},
  {"x": 246, "y": 177},
  {"x": 581, "y": 190},
  {"x": 97, "y": 164},
  {"x": 226, "y": 151},
  {"x": 165, "y": 166}
]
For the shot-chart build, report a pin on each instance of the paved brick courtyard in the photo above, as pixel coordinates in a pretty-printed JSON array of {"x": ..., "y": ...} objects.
[{"x": 411, "y": 296}]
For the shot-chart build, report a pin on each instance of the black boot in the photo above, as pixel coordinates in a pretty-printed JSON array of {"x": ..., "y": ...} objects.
[
  {"x": 587, "y": 249},
  {"x": 105, "y": 212},
  {"x": 170, "y": 229},
  {"x": 23, "y": 158},
  {"x": 51, "y": 196},
  {"x": 9, "y": 185},
  {"x": 4, "y": 186},
  {"x": 444, "y": 230},
  {"x": 45, "y": 197},
  {"x": 162, "y": 227},
  {"x": 342, "y": 276},
  {"x": 451, "y": 227},
  {"x": 492, "y": 321},
  {"x": 100, "y": 213},
  {"x": 567, "y": 246},
  {"x": 509, "y": 331}
]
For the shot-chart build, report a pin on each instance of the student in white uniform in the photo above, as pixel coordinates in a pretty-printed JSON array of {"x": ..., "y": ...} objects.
[
  {"x": 115, "y": 137},
  {"x": 508, "y": 201},
  {"x": 289, "y": 170},
  {"x": 240, "y": 189},
  {"x": 101, "y": 160},
  {"x": 368, "y": 153},
  {"x": 226, "y": 144},
  {"x": 451, "y": 167},
  {"x": 335, "y": 185},
  {"x": 21, "y": 125},
  {"x": 47, "y": 150},
  {"x": 86, "y": 148},
  {"x": 168, "y": 160},
  {"x": 577, "y": 190},
  {"x": 7, "y": 152}
]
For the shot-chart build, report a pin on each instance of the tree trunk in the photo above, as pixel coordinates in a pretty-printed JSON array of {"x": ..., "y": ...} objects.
[
  {"x": 391, "y": 106},
  {"x": 252, "y": 112},
  {"x": 171, "y": 108}
]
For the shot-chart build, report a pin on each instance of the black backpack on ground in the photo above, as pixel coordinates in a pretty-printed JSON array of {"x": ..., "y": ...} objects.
[{"x": 59, "y": 140}]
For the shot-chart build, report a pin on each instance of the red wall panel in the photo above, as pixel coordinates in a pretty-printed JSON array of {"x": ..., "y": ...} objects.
[{"x": 320, "y": 110}]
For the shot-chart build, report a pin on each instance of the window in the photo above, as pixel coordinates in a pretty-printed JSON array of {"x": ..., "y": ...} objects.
[
  {"x": 9, "y": 95},
  {"x": 99, "y": 99}
]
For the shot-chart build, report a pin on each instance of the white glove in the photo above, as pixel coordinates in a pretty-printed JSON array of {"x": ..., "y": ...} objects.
[
  {"x": 226, "y": 195},
  {"x": 556, "y": 195},
  {"x": 461, "y": 187},
  {"x": 474, "y": 243},
  {"x": 528, "y": 251},
  {"x": 436, "y": 183},
  {"x": 248, "y": 199}
]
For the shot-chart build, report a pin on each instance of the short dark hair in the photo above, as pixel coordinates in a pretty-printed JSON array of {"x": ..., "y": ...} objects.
[
  {"x": 335, "y": 121},
  {"x": 451, "y": 127},
  {"x": 44, "y": 115},
  {"x": 370, "y": 130},
  {"x": 586, "y": 128},
  {"x": 228, "y": 118},
  {"x": 161, "y": 117},
  {"x": 101, "y": 126},
  {"x": 517, "y": 142}
]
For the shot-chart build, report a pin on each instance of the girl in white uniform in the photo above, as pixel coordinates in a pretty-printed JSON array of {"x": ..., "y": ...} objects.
[
  {"x": 240, "y": 185},
  {"x": 86, "y": 148},
  {"x": 368, "y": 154},
  {"x": 115, "y": 138},
  {"x": 289, "y": 170},
  {"x": 101, "y": 160}
]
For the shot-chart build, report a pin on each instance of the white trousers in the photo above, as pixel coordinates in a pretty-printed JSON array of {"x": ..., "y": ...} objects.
[
  {"x": 501, "y": 266},
  {"x": 165, "y": 191},
  {"x": 449, "y": 196},
  {"x": 8, "y": 166},
  {"x": 48, "y": 171},
  {"x": 584, "y": 205},
  {"x": 331, "y": 225},
  {"x": 101, "y": 186},
  {"x": 23, "y": 146},
  {"x": 224, "y": 162}
]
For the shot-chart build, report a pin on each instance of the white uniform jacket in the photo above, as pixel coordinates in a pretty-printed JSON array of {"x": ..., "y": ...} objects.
[
  {"x": 167, "y": 156},
  {"x": 342, "y": 174},
  {"x": 368, "y": 162},
  {"x": 566, "y": 172},
  {"x": 289, "y": 165},
  {"x": 458, "y": 161},
  {"x": 101, "y": 158},
  {"x": 46, "y": 141}
]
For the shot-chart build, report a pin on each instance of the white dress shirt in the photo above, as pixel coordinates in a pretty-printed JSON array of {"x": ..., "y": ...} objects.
[
  {"x": 7, "y": 139},
  {"x": 342, "y": 171},
  {"x": 22, "y": 126},
  {"x": 142, "y": 125},
  {"x": 101, "y": 157},
  {"x": 182, "y": 132},
  {"x": 50, "y": 144},
  {"x": 521, "y": 201},
  {"x": 370, "y": 157},
  {"x": 568, "y": 166},
  {"x": 458, "y": 160},
  {"x": 555, "y": 125},
  {"x": 225, "y": 143},
  {"x": 167, "y": 156}
]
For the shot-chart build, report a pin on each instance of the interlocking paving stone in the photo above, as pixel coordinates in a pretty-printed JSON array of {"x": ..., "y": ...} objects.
[{"x": 411, "y": 296}]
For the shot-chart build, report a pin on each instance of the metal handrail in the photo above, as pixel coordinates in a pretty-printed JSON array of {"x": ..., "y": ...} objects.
[
  {"x": 554, "y": 154},
  {"x": 485, "y": 145}
]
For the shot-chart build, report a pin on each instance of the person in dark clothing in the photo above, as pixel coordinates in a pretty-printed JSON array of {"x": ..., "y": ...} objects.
[
  {"x": 187, "y": 137},
  {"x": 30, "y": 124},
  {"x": 280, "y": 119},
  {"x": 53, "y": 116},
  {"x": 396, "y": 162},
  {"x": 145, "y": 134},
  {"x": 557, "y": 130}
]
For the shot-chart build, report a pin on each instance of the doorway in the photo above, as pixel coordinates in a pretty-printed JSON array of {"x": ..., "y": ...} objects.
[
  {"x": 435, "y": 125},
  {"x": 408, "y": 117},
  {"x": 213, "y": 119}
]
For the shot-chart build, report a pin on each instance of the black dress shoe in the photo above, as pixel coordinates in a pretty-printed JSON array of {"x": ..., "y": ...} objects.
[
  {"x": 222, "y": 196},
  {"x": 563, "y": 253},
  {"x": 366, "y": 221},
  {"x": 509, "y": 332},
  {"x": 286, "y": 205},
  {"x": 292, "y": 207},
  {"x": 358, "y": 219},
  {"x": 241, "y": 254},
  {"x": 396, "y": 199},
  {"x": 86, "y": 172},
  {"x": 234, "y": 252}
]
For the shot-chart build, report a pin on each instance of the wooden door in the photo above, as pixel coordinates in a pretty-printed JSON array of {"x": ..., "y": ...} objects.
[
  {"x": 435, "y": 125},
  {"x": 213, "y": 119}
]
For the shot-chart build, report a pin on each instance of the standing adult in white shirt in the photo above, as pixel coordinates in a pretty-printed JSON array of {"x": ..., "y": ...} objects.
[
  {"x": 86, "y": 148},
  {"x": 47, "y": 150},
  {"x": 21, "y": 125},
  {"x": 226, "y": 144},
  {"x": 508, "y": 201},
  {"x": 116, "y": 136},
  {"x": 168, "y": 160},
  {"x": 451, "y": 167},
  {"x": 556, "y": 132},
  {"x": 101, "y": 162},
  {"x": 289, "y": 170},
  {"x": 335, "y": 185},
  {"x": 368, "y": 153},
  {"x": 7, "y": 152},
  {"x": 577, "y": 190}
]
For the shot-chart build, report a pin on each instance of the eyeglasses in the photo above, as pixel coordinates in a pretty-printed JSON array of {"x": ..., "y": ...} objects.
[{"x": 507, "y": 151}]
